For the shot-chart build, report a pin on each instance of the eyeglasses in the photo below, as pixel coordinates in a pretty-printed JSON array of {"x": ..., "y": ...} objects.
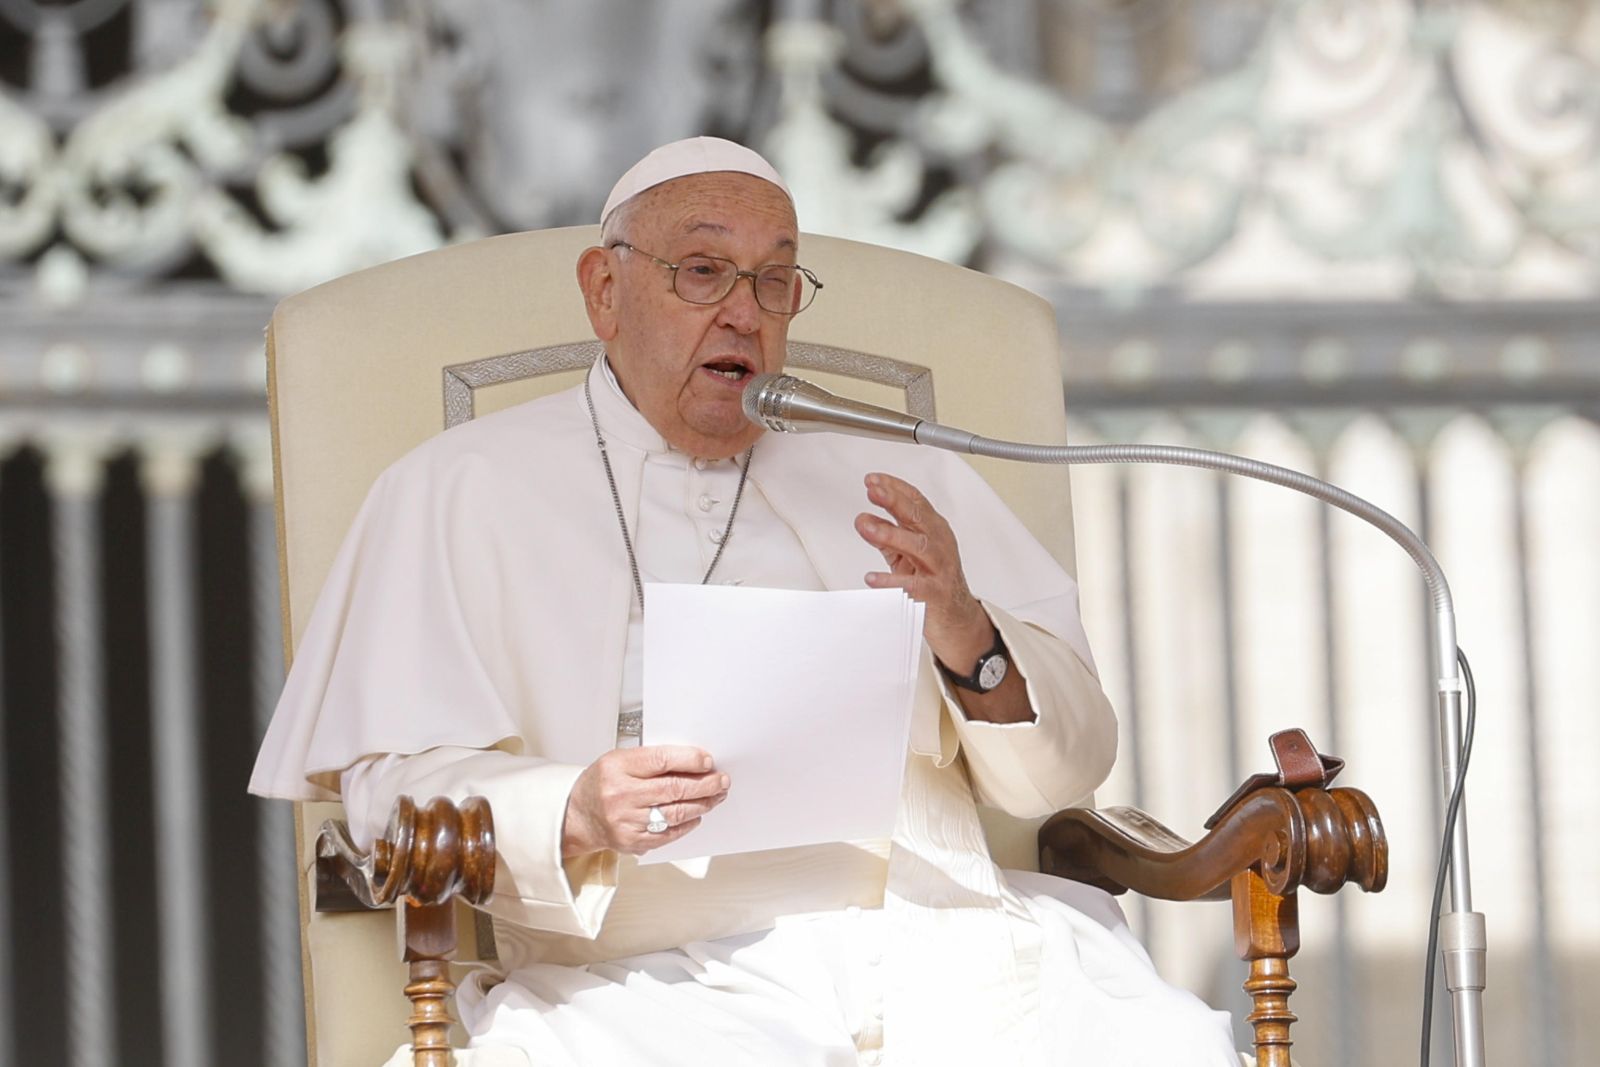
[{"x": 779, "y": 288}]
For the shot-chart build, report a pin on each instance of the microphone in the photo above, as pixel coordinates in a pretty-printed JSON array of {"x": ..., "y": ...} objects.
[{"x": 786, "y": 404}]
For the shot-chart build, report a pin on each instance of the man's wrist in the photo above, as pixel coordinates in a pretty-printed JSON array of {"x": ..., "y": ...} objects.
[
  {"x": 977, "y": 635},
  {"x": 986, "y": 669}
]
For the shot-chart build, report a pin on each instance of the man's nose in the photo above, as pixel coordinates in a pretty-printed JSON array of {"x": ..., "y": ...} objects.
[{"x": 739, "y": 309}]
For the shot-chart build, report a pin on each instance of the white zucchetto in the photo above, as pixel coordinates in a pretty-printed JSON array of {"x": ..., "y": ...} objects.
[{"x": 692, "y": 155}]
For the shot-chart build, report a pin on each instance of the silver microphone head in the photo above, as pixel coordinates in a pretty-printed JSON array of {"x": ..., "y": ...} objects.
[
  {"x": 788, "y": 404},
  {"x": 762, "y": 399}
]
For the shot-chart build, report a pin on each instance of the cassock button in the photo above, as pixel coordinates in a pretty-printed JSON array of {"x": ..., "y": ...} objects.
[
  {"x": 872, "y": 1058},
  {"x": 699, "y": 464},
  {"x": 705, "y": 503},
  {"x": 716, "y": 536}
]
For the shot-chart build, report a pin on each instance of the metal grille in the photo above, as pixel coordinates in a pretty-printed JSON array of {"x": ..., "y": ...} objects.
[
  {"x": 148, "y": 922},
  {"x": 1224, "y": 611}
]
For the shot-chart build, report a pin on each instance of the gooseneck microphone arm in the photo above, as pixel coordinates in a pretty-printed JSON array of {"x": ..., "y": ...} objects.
[{"x": 787, "y": 404}]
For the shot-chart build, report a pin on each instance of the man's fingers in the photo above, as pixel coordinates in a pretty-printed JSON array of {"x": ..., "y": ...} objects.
[
  {"x": 886, "y": 537},
  {"x": 647, "y": 761},
  {"x": 610, "y": 803},
  {"x": 671, "y": 788},
  {"x": 885, "y": 580},
  {"x": 902, "y": 500},
  {"x": 688, "y": 810}
]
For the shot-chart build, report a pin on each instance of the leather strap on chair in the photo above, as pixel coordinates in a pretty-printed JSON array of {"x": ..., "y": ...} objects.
[
  {"x": 1277, "y": 833},
  {"x": 1300, "y": 766}
]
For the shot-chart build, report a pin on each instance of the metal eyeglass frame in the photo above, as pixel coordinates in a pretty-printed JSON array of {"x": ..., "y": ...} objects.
[{"x": 816, "y": 283}]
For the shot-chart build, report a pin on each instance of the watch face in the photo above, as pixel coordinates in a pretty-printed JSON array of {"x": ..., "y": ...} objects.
[{"x": 992, "y": 673}]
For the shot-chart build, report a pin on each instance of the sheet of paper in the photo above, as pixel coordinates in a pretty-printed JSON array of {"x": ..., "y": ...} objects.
[{"x": 803, "y": 698}]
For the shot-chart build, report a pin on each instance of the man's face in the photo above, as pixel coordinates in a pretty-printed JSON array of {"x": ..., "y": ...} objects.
[{"x": 683, "y": 365}]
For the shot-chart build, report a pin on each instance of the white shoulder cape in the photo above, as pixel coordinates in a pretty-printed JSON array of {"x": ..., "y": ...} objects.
[{"x": 481, "y": 596}]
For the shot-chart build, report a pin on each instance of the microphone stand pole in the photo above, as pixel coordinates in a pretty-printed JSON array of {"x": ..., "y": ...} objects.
[{"x": 1463, "y": 939}]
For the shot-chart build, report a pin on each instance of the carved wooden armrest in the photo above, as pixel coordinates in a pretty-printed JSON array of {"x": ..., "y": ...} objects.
[
  {"x": 1275, "y": 835},
  {"x": 426, "y": 860}
]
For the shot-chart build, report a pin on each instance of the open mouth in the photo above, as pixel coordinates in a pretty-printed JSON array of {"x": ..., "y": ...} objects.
[{"x": 728, "y": 369}]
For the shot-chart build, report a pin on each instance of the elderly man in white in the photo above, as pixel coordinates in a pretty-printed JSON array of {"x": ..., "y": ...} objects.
[{"x": 481, "y": 632}]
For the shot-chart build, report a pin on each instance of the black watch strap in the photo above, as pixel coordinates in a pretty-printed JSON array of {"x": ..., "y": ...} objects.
[{"x": 991, "y": 668}]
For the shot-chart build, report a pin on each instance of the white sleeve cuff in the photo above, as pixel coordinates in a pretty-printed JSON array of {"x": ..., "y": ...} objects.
[
  {"x": 1036, "y": 768},
  {"x": 528, "y": 799}
]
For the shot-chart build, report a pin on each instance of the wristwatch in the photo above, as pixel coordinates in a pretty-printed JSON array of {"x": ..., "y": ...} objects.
[{"x": 989, "y": 672}]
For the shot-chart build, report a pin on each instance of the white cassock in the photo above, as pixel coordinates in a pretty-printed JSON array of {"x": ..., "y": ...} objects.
[{"x": 475, "y": 636}]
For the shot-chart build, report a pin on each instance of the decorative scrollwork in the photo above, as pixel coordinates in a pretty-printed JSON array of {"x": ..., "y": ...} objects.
[
  {"x": 1319, "y": 839},
  {"x": 27, "y": 201},
  {"x": 362, "y": 211},
  {"x": 198, "y": 145},
  {"x": 427, "y": 856},
  {"x": 834, "y": 196},
  {"x": 1346, "y": 134},
  {"x": 275, "y": 144}
]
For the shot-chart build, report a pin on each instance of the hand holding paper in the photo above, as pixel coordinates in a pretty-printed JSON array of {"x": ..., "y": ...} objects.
[{"x": 808, "y": 710}]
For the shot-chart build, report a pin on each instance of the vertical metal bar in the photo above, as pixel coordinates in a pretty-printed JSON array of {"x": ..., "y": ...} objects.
[
  {"x": 1130, "y": 709},
  {"x": 1419, "y": 428},
  {"x": 1442, "y": 1035},
  {"x": 1218, "y": 430},
  {"x": 1228, "y": 612},
  {"x": 6, "y": 986},
  {"x": 1463, "y": 939},
  {"x": 74, "y": 475},
  {"x": 283, "y": 1007},
  {"x": 1425, "y": 531},
  {"x": 1347, "y": 1008},
  {"x": 1544, "y": 989},
  {"x": 1231, "y": 995},
  {"x": 169, "y": 471},
  {"x": 1463, "y": 936}
]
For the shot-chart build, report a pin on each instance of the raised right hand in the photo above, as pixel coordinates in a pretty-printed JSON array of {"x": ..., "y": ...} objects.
[{"x": 611, "y": 800}]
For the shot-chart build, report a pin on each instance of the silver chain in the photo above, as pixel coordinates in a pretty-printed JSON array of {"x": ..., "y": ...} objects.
[{"x": 622, "y": 519}]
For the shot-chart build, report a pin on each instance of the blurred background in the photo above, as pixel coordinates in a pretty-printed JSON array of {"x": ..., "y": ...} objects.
[{"x": 1357, "y": 237}]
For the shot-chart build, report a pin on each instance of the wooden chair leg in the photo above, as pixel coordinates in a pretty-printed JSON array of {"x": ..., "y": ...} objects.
[
  {"x": 429, "y": 937},
  {"x": 428, "y": 858},
  {"x": 1266, "y": 932}
]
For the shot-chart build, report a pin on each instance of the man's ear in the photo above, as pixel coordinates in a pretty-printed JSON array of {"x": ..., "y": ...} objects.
[{"x": 599, "y": 286}]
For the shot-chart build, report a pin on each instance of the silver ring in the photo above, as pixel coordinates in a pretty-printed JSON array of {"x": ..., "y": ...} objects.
[{"x": 658, "y": 822}]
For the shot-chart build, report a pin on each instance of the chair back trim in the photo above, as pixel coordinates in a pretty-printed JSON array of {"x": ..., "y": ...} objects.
[{"x": 462, "y": 380}]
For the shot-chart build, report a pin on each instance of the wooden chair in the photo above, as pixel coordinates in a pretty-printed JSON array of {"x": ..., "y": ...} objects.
[{"x": 365, "y": 367}]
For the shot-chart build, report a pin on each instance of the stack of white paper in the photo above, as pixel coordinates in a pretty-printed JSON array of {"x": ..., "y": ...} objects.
[{"x": 803, "y": 698}]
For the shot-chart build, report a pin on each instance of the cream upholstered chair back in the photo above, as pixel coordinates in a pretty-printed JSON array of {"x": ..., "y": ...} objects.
[{"x": 365, "y": 367}]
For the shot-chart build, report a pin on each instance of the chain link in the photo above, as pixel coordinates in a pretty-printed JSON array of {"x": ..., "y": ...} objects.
[{"x": 622, "y": 519}]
